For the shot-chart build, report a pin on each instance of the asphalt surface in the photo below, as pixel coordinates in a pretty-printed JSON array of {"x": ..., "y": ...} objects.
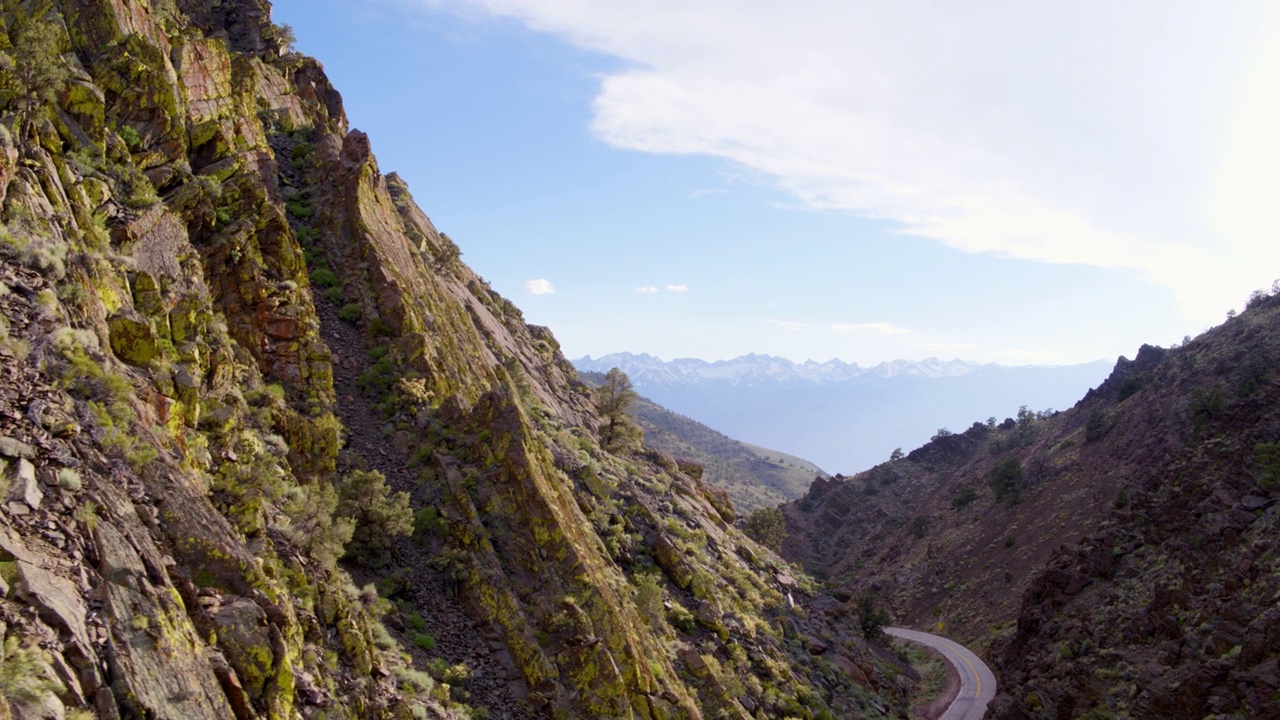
[{"x": 977, "y": 683}]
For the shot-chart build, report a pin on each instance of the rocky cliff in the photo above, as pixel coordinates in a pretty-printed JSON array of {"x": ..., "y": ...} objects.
[
  {"x": 1114, "y": 560},
  {"x": 240, "y": 367}
]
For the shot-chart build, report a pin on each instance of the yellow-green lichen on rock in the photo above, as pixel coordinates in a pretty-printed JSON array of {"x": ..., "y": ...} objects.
[{"x": 133, "y": 339}]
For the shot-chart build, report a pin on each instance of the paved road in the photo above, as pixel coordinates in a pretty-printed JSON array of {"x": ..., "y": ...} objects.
[{"x": 977, "y": 683}]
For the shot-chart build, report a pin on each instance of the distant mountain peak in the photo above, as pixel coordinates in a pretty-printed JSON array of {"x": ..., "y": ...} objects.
[{"x": 838, "y": 414}]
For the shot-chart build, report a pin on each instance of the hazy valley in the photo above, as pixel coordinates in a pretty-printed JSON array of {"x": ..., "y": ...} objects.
[{"x": 841, "y": 416}]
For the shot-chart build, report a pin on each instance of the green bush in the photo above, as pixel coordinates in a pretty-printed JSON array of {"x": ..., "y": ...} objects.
[
  {"x": 335, "y": 295},
  {"x": 918, "y": 527},
  {"x": 872, "y": 617},
  {"x": 1005, "y": 480},
  {"x": 416, "y": 622},
  {"x": 25, "y": 677},
  {"x": 130, "y": 136},
  {"x": 298, "y": 208},
  {"x": 425, "y": 641},
  {"x": 1268, "y": 457},
  {"x": 427, "y": 523},
  {"x": 350, "y": 313},
  {"x": 313, "y": 527},
  {"x": 1095, "y": 427},
  {"x": 1128, "y": 387},
  {"x": 1205, "y": 405},
  {"x": 1122, "y": 500},
  {"x": 323, "y": 277},
  {"x": 681, "y": 619},
  {"x": 380, "y": 516},
  {"x": 766, "y": 526},
  {"x": 964, "y": 498}
]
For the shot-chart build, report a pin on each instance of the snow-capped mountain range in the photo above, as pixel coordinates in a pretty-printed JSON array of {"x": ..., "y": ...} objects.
[
  {"x": 843, "y": 416},
  {"x": 755, "y": 369}
]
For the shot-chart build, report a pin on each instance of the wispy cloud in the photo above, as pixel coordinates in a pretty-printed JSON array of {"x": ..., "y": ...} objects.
[
  {"x": 541, "y": 286},
  {"x": 790, "y": 325},
  {"x": 881, "y": 328},
  {"x": 678, "y": 288},
  {"x": 946, "y": 346},
  {"x": 1080, "y": 133},
  {"x": 877, "y": 328},
  {"x": 647, "y": 290}
]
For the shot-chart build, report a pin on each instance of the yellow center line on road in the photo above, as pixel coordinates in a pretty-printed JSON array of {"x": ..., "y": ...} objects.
[{"x": 976, "y": 677}]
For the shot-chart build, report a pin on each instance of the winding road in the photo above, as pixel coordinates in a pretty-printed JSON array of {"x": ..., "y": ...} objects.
[{"x": 977, "y": 683}]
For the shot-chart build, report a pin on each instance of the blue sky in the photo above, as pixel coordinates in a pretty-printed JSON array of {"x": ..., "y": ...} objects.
[{"x": 1011, "y": 183}]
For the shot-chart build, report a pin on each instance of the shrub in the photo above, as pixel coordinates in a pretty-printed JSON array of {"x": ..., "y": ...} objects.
[
  {"x": 872, "y": 617},
  {"x": 964, "y": 498},
  {"x": 425, "y": 641},
  {"x": 313, "y": 527},
  {"x": 24, "y": 674},
  {"x": 680, "y": 618},
  {"x": 649, "y": 596},
  {"x": 766, "y": 526},
  {"x": 1128, "y": 387},
  {"x": 350, "y": 313},
  {"x": 324, "y": 277},
  {"x": 380, "y": 516},
  {"x": 1205, "y": 404},
  {"x": 335, "y": 295},
  {"x": 1095, "y": 427},
  {"x": 1005, "y": 480},
  {"x": 918, "y": 527},
  {"x": 1122, "y": 500},
  {"x": 298, "y": 208},
  {"x": 1268, "y": 456},
  {"x": 69, "y": 479},
  {"x": 428, "y": 523},
  {"x": 130, "y": 136}
]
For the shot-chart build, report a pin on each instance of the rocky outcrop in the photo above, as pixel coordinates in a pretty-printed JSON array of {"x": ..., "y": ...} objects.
[
  {"x": 1123, "y": 570},
  {"x": 186, "y": 218}
]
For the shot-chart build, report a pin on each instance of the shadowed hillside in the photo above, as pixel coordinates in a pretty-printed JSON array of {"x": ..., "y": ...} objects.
[{"x": 1113, "y": 559}]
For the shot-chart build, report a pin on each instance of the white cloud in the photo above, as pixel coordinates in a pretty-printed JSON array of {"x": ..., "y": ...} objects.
[
  {"x": 880, "y": 328},
  {"x": 1130, "y": 135},
  {"x": 678, "y": 288},
  {"x": 541, "y": 286},
  {"x": 647, "y": 290}
]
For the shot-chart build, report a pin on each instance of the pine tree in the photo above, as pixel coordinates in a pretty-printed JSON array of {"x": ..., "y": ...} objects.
[
  {"x": 614, "y": 400},
  {"x": 32, "y": 70}
]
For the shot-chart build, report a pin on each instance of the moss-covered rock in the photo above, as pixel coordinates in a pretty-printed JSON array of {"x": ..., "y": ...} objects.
[{"x": 133, "y": 339}]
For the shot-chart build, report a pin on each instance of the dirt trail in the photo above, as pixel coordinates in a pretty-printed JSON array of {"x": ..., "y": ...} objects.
[{"x": 495, "y": 683}]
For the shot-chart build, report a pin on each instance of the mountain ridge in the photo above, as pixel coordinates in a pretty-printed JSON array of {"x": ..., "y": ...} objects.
[
  {"x": 1113, "y": 559},
  {"x": 753, "y": 476},
  {"x": 840, "y": 415}
]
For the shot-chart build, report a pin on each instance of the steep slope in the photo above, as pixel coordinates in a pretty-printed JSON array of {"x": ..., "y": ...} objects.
[
  {"x": 1114, "y": 559},
  {"x": 235, "y": 353},
  {"x": 839, "y": 415},
  {"x": 754, "y": 477}
]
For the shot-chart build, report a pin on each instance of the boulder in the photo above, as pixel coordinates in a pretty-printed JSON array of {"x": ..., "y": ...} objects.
[
  {"x": 24, "y": 487},
  {"x": 133, "y": 340}
]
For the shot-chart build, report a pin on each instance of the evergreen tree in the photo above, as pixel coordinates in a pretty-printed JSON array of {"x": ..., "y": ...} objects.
[
  {"x": 614, "y": 400},
  {"x": 767, "y": 527},
  {"x": 32, "y": 70}
]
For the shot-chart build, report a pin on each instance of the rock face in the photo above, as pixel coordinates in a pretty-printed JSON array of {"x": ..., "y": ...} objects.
[
  {"x": 238, "y": 365},
  {"x": 1125, "y": 569}
]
